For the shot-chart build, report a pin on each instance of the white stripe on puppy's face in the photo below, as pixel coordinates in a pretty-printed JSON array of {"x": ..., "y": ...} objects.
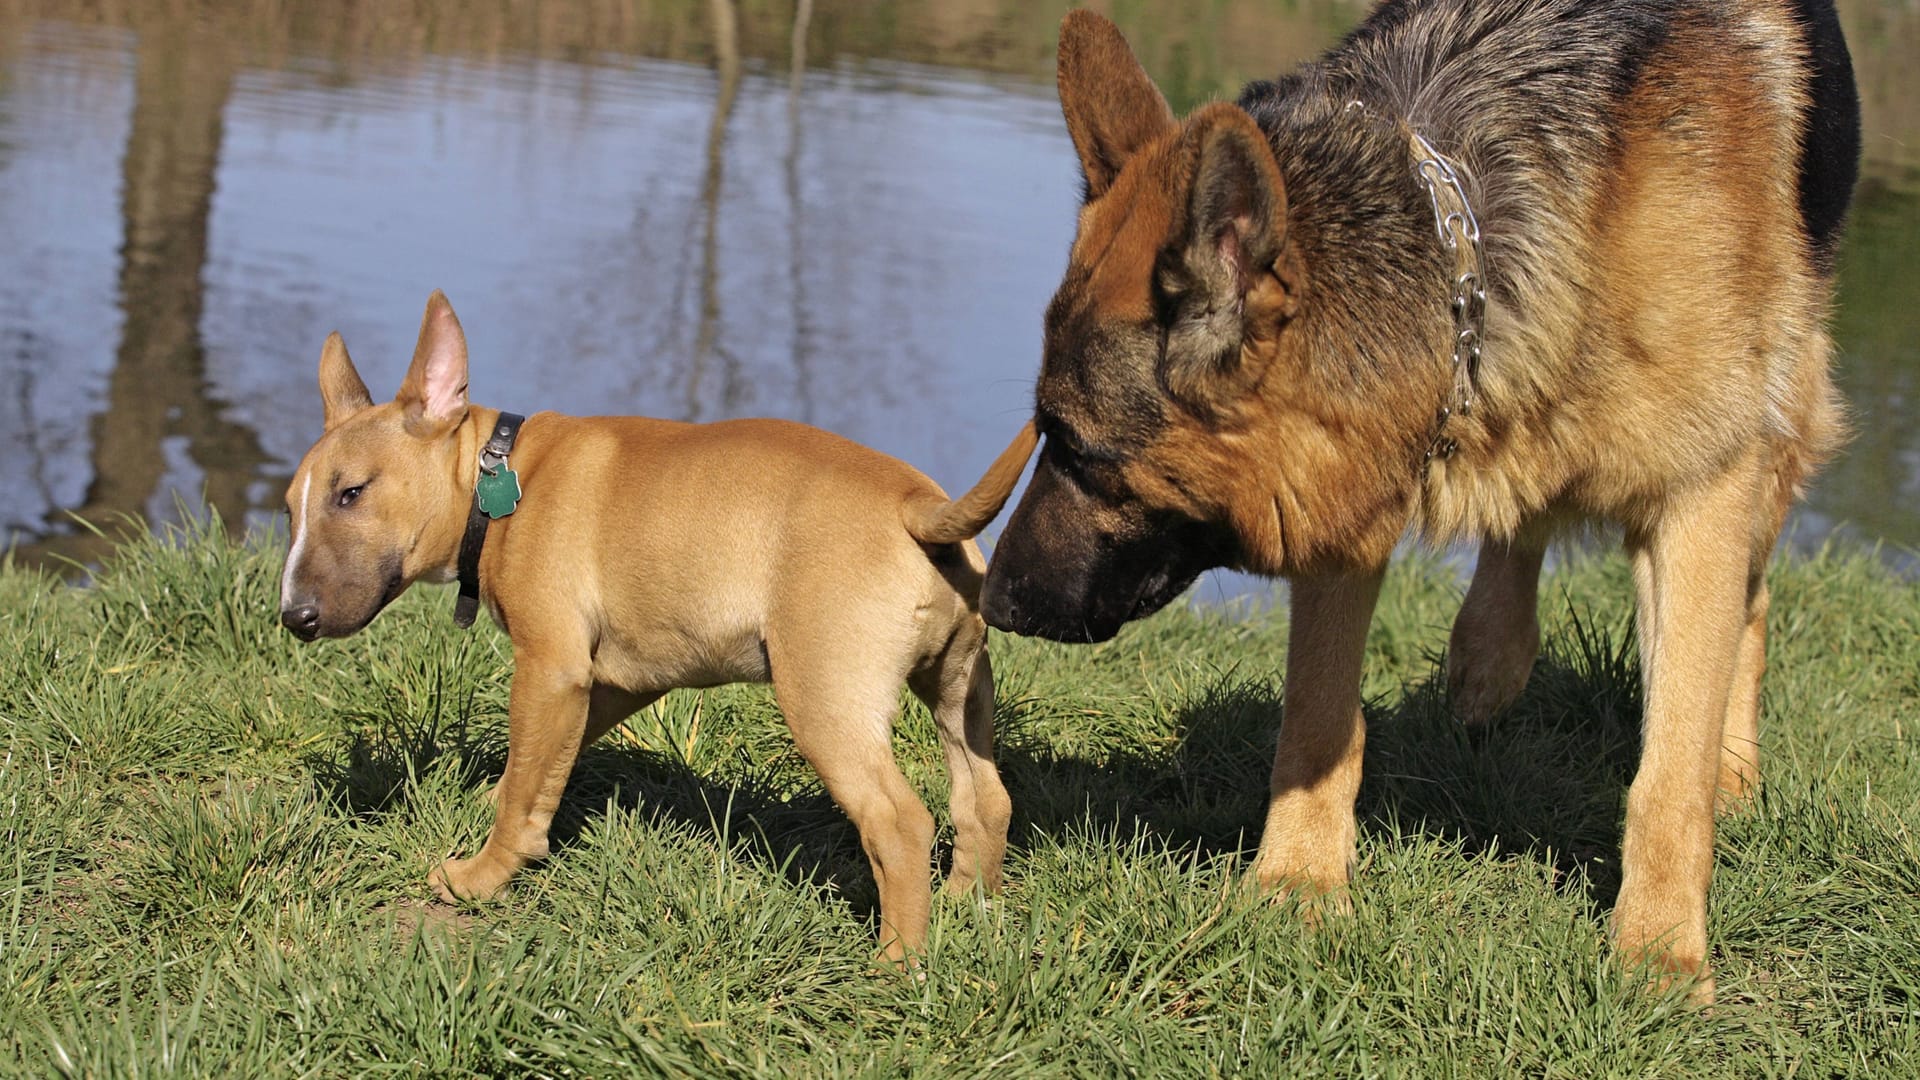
[{"x": 299, "y": 523}]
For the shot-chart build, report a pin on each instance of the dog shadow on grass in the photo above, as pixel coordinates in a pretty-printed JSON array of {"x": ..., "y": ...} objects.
[
  {"x": 1544, "y": 782},
  {"x": 761, "y": 814}
]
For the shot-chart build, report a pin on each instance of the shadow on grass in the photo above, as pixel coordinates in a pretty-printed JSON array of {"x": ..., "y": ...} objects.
[
  {"x": 1545, "y": 782},
  {"x": 803, "y": 835}
]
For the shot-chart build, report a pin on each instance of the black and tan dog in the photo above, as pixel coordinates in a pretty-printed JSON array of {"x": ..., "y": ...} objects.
[
  {"x": 645, "y": 555},
  {"x": 1488, "y": 267}
]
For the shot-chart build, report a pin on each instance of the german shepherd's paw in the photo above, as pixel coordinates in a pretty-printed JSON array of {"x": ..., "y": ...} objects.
[
  {"x": 1488, "y": 664},
  {"x": 1316, "y": 898}
]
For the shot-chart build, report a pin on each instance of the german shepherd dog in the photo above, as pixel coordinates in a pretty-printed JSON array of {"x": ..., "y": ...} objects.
[{"x": 1487, "y": 268}]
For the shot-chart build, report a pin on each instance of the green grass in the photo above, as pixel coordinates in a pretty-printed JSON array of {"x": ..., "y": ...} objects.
[{"x": 217, "y": 841}]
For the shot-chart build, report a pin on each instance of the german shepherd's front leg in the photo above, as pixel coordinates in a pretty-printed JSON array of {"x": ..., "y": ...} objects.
[
  {"x": 1690, "y": 573},
  {"x": 546, "y": 721},
  {"x": 1308, "y": 844}
]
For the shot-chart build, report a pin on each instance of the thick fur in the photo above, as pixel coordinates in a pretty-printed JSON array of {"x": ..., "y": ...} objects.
[
  {"x": 647, "y": 555},
  {"x": 1247, "y": 355}
]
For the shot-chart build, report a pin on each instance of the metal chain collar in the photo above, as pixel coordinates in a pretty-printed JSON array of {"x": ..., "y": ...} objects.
[{"x": 1459, "y": 230}]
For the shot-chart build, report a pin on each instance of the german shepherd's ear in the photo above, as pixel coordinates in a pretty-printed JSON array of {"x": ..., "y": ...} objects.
[
  {"x": 434, "y": 393},
  {"x": 1228, "y": 275},
  {"x": 342, "y": 393},
  {"x": 1112, "y": 108}
]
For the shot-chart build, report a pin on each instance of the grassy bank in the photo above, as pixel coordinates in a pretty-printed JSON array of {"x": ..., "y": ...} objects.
[{"x": 217, "y": 843}]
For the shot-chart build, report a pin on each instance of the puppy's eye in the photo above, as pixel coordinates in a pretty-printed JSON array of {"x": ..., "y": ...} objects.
[{"x": 348, "y": 495}]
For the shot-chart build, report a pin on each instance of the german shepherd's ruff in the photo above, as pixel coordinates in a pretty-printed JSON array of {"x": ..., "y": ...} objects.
[{"x": 1248, "y": 361}]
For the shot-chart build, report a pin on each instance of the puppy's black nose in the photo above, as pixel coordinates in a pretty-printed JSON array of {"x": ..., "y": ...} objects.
[{"x": 304, "y": 621}]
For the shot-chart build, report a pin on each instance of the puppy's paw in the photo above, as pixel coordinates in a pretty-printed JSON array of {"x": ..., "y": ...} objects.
[
  {"x": 1664, "y": 951},
  {"x": 1314, "y": 904},
  {"x": 467, "y": 879}
]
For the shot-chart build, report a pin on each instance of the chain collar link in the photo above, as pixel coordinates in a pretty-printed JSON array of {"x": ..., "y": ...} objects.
[{"x": 1459, "y": 231}]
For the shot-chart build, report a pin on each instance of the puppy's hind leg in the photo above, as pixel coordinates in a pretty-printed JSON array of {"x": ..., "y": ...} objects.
[
  {"x": 959, "y": 691},
  {"x": 609, "y": 707},
  {"x": 1496, "y": 636},
  {"x": 841, "y": 711}
]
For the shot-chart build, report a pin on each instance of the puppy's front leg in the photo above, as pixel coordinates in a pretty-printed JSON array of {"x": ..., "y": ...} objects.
[
  {"x": 1309, "y": 838},
  {"x": 546, "y": 719}
]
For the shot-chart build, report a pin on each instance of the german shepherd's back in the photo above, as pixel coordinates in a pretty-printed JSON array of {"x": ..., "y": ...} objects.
[{"x": 1662, "y": 159}]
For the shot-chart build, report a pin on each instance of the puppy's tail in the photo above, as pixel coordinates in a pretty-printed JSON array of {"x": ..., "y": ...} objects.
[{"x": 939, "y": 522}]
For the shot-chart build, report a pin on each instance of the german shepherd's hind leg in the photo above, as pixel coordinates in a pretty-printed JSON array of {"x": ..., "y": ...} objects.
[
  {"x": 1496, "y": 636},
  {"x": 841, "y": 710},
  {"x": 1740, "y": 741},
  {"x": 546, "y": 718},
  {"x": 1739, "y": 778},
  {"x": 958, "y": 688},
  {"x": 1691, "y": 571},
  {"x": 1307, "y": 848}
]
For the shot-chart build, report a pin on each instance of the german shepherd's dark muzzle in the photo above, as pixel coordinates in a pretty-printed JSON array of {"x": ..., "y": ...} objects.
[{"x": 1076, "y": 564}]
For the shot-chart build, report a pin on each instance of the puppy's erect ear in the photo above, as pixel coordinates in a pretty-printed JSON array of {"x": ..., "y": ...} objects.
[
  {"x": 1231, "y": 275},
  {"x": 1112, "y": 108},
  {"x": 342, "y": 393},
  {"x": 434, "y": 392}
]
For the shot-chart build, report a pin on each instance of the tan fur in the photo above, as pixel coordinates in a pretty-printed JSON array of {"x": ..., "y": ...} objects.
[
  {"x": 647, "y": 555},
  {"x": 1670, "y": 374},
  {"x": 937, "y": 521}
]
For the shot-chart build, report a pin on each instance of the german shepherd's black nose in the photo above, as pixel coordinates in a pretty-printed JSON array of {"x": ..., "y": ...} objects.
[{"x": 304, "y": 621}]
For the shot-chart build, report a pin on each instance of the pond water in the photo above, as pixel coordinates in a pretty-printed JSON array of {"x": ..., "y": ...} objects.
[{"x": 850, "y": 214}]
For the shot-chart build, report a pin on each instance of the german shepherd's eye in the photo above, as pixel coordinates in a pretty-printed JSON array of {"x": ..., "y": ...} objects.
[
  {"x": 1088, "y": 471},
  {"x": 348, "y": 495}
]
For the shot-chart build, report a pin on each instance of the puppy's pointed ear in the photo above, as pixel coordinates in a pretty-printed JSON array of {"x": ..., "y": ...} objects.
[
  {"x": 434, "y": 393},
  {"x": 1230, "y": 276},
  {"x": 342, "y": 392},
  {"x": 1112, "y": 108}
]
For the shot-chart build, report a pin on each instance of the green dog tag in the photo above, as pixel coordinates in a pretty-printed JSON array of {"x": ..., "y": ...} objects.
[{"x": 498, "y": 492}]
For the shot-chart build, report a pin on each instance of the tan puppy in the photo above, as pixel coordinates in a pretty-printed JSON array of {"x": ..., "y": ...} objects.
[{"x": 647, "y": 555}]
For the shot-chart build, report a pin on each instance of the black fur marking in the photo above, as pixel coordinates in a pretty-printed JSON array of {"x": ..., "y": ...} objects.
[
  {"x": 1523, "y": 95},
  {"x": 1098, "y": 377},
  {"x": 1830, "y": 152}
]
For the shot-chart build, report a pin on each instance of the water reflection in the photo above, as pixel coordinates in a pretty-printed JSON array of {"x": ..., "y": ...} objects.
[{"x": 846, "y": 213}]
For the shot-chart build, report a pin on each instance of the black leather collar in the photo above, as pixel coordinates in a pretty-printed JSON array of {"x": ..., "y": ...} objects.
[{"x": 492, "y": 456}]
